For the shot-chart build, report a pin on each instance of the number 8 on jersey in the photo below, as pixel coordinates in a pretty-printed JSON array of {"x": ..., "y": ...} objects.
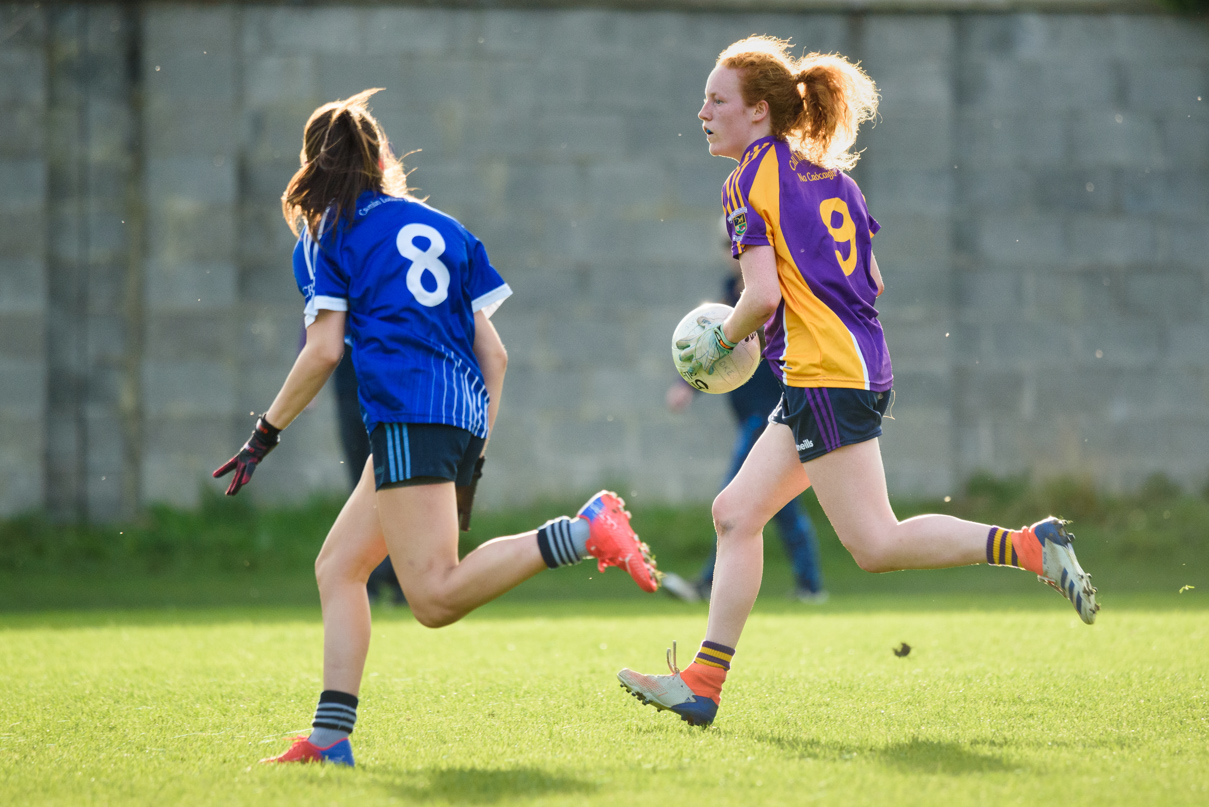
[{"x": 426, "y": 260}]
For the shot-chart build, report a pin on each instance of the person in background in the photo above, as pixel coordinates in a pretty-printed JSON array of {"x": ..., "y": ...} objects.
[{"x": 751, "y": 405}]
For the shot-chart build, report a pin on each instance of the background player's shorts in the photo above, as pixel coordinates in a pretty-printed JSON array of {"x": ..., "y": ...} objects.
[
  {"x": 824, "y": 418},
  {"x": 423, "y": 454}
]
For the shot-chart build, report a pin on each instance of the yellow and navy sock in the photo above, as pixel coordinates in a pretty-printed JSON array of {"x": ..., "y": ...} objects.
[
  {"x": 1018, "y": 548},
  {"x": 1000, "y": 551},
  {"x": 706, "y": 675},
  {"x": 335, "y": 717},
  {"x": 713, "y": 654},
  {"x": 563, "y": 541}
]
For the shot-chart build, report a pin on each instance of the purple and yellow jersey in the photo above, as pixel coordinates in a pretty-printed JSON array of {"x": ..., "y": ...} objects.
[{"x": 825, "y": 332}]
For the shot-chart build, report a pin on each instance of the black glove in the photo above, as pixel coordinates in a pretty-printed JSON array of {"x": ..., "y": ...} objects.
[
  {"x": 465, "y": 494},
  {"x": 264, "y": 439}
]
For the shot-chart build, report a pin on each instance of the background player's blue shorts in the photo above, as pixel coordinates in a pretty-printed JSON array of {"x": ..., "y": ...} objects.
[
  {"x": 824, "y": 418},
  {"x": 423, "y": 454}
]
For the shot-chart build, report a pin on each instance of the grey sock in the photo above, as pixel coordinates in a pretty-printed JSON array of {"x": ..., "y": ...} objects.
[
  {"x": 326, "y": 738},
  {"x": 563, "y": 541},
  {"x": 581, "y": 530}
]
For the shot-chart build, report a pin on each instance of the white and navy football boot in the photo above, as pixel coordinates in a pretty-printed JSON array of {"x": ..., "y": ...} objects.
[
  {"x": 1061, "y": 569},
  {"x": 670, "y": 693}
]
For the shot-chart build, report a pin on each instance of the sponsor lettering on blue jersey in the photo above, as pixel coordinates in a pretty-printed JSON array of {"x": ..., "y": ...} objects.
[{"x": 411, "y": 279}]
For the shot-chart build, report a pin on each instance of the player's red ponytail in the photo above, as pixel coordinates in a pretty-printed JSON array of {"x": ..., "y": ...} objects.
[
  {"x": 817, "y": 103},
  {"x": 344, "y": 154}
]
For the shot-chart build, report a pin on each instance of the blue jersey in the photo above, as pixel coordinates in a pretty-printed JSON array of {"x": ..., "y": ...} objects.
[{"x": 411, "y": 279}]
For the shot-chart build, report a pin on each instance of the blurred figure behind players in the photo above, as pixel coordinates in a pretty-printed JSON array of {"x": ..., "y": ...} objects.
[{"x": 751, "y": 405}]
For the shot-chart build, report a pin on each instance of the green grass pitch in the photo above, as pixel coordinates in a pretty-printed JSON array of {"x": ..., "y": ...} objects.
[{"x": 1004, "y": 699}]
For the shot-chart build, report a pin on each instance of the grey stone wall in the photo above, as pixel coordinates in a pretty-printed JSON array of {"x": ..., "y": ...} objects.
[
  {"x": 23, "y": 259},
  {"x": 1042, "y": 181},
  {"x": 1081, "y": 248}
]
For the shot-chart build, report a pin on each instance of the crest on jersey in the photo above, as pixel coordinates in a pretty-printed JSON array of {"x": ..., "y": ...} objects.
[{"x": 738, "y": 221}]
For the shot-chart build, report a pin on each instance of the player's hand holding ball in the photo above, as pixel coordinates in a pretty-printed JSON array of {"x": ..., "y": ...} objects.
[
  {"x": 264, "y": 439},
  {"x": 706, "y": 350},
  {"x": 703, "y": 355}
]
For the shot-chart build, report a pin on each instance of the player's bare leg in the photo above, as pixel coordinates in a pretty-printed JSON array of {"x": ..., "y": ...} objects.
[
  {"x": 420, "y": 525},
  {"x": 421, "y": 528},
  {"x": 770, "y": 477},
  {"x": 353, "y": 548},
  {"x": 851, "y": 485}
]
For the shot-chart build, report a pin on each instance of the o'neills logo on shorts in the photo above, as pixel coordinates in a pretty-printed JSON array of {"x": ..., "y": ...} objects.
[{"x": 738, "y": 221}]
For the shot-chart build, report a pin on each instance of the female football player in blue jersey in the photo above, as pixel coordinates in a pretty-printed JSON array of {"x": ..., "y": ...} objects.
[
  {"x": 802, "y": 234},
  {"x": 412, "y": 290}
]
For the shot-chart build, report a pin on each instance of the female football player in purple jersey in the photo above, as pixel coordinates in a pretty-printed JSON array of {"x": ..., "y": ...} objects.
[
  {"x": 802, "y": 234},
  {"x": 411, "y": 290}
]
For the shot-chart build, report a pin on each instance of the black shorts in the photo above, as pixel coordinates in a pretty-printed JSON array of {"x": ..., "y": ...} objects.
[
  {"x": 824, "y": 418},
  {"x": 423, "y": 454}
]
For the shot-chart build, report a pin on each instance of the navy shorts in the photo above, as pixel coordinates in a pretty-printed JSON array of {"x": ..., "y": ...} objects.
[
  {"x": 423, "y": 454},
  {"x": 824, "y": 418}
]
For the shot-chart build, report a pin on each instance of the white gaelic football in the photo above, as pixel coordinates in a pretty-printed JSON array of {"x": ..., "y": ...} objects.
[{"x": 731, "y": 372}]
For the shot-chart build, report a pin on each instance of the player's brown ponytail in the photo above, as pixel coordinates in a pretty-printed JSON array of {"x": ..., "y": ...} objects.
[
  {"x": 344, "y": 154},
  {"x": 816, "y": 103}
]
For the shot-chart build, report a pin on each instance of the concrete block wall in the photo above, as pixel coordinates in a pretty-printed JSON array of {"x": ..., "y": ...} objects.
[
  {"x": 1042, "y": 181},
  {"x": 23, "y": 259},
  {"x": 906, "y": 175},
  {"x": 1080, "y": 304},
  {"x": 194, "y": 308},
  {"x": 91, "y": 325}
]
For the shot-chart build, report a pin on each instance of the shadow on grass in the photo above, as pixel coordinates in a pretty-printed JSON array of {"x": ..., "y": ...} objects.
[
  {"x": 913, "y": 756},
  {"x": 949, "y": 759},
  {"x": 485, "y": 786}
]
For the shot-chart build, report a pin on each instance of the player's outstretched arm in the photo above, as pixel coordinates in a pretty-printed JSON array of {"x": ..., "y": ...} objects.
[{"x": 315, "y": 363}]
